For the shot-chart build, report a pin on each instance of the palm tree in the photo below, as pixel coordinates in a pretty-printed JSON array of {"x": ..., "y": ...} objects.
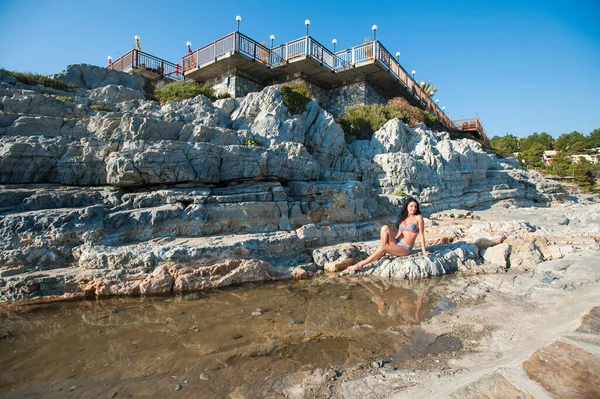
[{"x": 429, "y": 88}]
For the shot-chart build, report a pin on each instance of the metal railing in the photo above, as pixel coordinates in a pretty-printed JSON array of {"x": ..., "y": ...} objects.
[
  {"x": 134, "y": 59},
  {"x": 225, "y": 46},
  {"x": 471, "y": 125}
]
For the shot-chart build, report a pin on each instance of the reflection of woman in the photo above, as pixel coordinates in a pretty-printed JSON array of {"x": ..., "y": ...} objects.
[
  {"x": 401, "y": 308},
  {"x": 410, "y": 226}
]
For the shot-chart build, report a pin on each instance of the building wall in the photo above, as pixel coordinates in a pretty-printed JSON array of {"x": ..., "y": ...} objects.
[
  {"x": 244, "y": 85},
  {"x": 352, "y": 94},
  {"x": 234, "y": 83},
  {"x": 335, "y": 101}
]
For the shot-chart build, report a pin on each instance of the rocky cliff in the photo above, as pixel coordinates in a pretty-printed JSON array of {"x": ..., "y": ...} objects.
[{"x": 104, "y": 192}]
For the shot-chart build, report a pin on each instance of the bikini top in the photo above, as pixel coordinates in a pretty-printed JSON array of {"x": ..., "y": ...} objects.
[{"x": 411, "y": 228}]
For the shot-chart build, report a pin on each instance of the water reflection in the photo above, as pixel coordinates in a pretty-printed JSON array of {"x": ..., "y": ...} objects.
[{"x": 239, "y": 336}]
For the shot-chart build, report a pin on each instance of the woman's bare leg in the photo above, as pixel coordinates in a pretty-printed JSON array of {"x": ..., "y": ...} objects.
[
  {"x": 386, "y": 236},
  {"x": 396, "y": 250}
]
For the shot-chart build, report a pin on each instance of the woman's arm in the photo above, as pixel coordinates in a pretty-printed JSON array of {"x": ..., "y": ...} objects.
[
  {"x": 399, "y": 234},
  {"x": 421, "y": 226}
]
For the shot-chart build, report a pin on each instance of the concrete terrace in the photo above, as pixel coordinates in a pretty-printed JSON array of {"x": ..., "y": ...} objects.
[{"x": 237, "y": 56}]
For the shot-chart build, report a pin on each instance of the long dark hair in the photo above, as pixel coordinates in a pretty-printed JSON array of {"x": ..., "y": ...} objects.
[{"x": 404, "y": 209}]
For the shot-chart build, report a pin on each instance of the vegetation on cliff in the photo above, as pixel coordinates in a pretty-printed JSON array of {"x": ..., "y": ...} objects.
[
  {"x": 360, "y": 121},
  {"x": 186, "y": 89},
  {"x": 34, "y": 79},
  {"x": 296, "y": 96}
]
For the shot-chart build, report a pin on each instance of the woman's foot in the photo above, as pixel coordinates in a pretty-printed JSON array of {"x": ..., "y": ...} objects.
[{"x": 354, "y": 268}]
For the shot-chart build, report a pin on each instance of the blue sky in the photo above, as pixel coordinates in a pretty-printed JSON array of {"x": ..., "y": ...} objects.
[{"x": 522, "y": 66}]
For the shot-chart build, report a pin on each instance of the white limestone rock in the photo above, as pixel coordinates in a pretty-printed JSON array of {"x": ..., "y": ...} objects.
[
  {"x": 115, "y": 94},
  {"x": 498, "y": 254},
  {"x": 88, "y": 76},
  {"x": 228, "y": 105},
  {"x": 142, "y": 163}
]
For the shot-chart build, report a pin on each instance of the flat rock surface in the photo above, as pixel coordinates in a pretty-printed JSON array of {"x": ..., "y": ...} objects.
[
  {"x": 565, "y": 371},
  {"x": 495, "y": 386}
]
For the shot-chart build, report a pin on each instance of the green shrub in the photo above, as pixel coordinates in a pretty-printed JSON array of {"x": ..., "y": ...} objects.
[
  {"x": 432, "y": 122},
  {"x": 149, "y": 89},
  {"x": 399, "y": 193},
  {"x": 252, "y": 142},
  {"x": 223, "y": 95},
  {"x": 361, "y": 121},
  {"x": 296, "y": 96},
  {"x": 65, "y": 99},
  {"x": 101, "y": 108},
  {"x": 409, "y": 114},
  {"x": 34, "y": 79},
  {"x": 184, "y": 90}
]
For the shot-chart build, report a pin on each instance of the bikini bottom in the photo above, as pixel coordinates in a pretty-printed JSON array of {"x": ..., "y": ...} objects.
[{"x": 405, "y": 245}]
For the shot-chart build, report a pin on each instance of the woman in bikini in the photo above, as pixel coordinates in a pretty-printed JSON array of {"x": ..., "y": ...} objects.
[{"x": 410, "y": 226}]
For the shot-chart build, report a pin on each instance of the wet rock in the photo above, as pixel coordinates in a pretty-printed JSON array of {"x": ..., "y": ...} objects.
[
  {"x": 299, "y": 273},
  {"x": 442, "y": 305}
]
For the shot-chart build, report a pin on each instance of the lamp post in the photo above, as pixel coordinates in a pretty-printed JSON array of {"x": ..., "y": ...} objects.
[
  {"x": 189, "y": 46},
  {"x": 137, "y": 43},
  {"x": 398, "y": 56},
  {"x": 437, "y": 101},
  {"x": 109, "y": 61},
  {"x": 444, "y": 109},
  {"x": 238, "y": 19},
  {"x": 413, "y": 74},
  {"x": 307, "y": 23},
  {"x": 272, "y": 37},
  {"x": 374, "y": 27},
  {"x": 334, "y": 41}
]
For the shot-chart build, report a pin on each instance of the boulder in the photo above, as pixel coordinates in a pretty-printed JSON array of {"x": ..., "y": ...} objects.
[
  {"x": 88, "y": 76},
  {"x": 498, "y": 254},
  {"x": 115, "y": 94},
  {"x": 445, "y": 259}
]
